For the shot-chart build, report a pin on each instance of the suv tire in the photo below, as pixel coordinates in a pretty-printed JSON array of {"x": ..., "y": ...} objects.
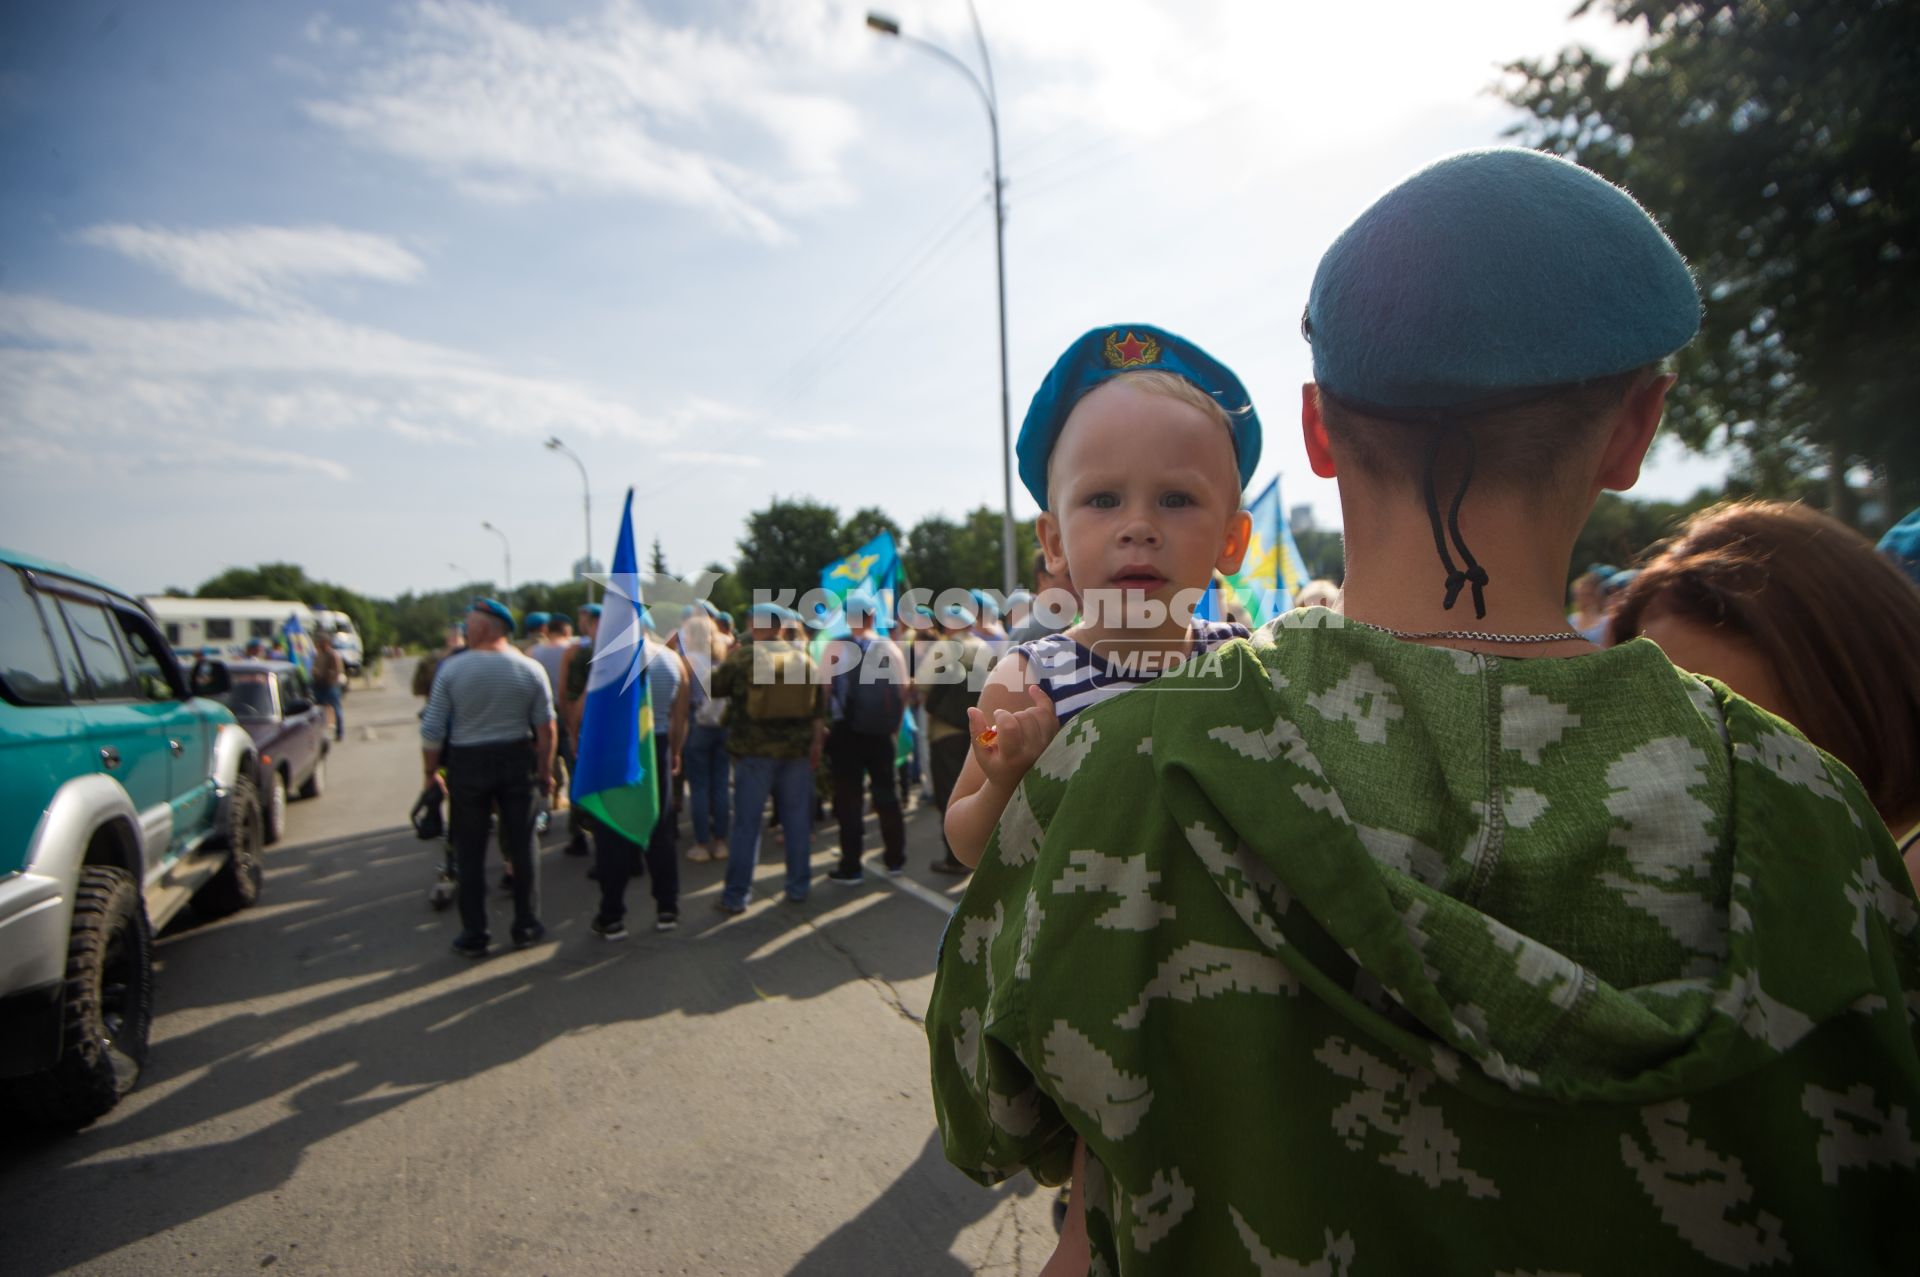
[
  {"x": 237, "y": 885},
  {"x": 106, "y": 1008}
]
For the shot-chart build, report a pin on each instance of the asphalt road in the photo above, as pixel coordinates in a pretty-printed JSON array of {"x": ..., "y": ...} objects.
[{"x": 332, "y": 1091}]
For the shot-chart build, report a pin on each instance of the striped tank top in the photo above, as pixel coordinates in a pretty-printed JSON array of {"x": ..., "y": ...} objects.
[{"x": 1074, "y": 677}]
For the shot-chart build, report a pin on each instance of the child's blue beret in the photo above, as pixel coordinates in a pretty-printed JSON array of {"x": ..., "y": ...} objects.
[
  {"x": 1107, "y": 352},
  {"x": 1490, "y": 273}
]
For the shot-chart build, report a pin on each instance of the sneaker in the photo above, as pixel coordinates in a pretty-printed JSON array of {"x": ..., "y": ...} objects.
[
  {"x": 615, "y": 930},
  {"x": 894, "y": 871},
  {"x": 471, "y": 946},
  {"x": 667, "y": 921},
  {"x": 792, "y": 899},
  {"x": 848, "y": 877},
  {"x": 728, "y": 908},
  {"x": 948, "y": 865},
  {"x": 698, "y": 854},
  {"x": 524, "y": 936},
  {"x": 506, "y": 883}
]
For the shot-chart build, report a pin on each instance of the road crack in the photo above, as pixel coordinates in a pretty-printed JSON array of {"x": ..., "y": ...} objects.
[{"x": 881, "y": 985}]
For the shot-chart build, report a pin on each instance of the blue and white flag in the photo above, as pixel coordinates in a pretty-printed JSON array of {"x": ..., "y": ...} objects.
[{"x": 613, "y": 777}]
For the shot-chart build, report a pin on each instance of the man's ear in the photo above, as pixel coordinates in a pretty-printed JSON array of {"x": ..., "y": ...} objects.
[
  {"x": 1047, "y": 528},
  {"x": 1314, "y": 431},
  {"x": 1632, "y": 434},
  {"x": 1234, "y": 548}
]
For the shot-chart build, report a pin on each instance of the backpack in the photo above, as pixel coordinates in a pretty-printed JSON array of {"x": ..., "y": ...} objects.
[
  {"x": 874, "y": 704},
  {"x": 781, "y": 686}
]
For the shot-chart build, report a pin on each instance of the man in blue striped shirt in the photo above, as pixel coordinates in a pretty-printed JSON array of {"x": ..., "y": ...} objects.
[{"x": 489, "y": 718}]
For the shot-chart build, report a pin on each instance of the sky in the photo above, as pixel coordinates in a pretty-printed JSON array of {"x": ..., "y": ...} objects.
[{"x": 314, "y": 283}]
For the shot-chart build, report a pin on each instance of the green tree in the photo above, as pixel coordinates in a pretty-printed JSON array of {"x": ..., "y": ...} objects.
[
  {"x": 729, "y": 594},
  {"x": 864, "y": 525},
  {"x": 978, "y": 550},
  {"x": 787, "y": 544},
  {"x": 1775, "y": 140},
  {"x": 932, "y": 555},
  {"x": 657, "y": 562}
]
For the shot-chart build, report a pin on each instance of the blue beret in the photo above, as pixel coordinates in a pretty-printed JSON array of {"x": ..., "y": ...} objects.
[
  {"x": 1902, "y": 545},
  {"x": 591, "y": 609},
  {"x": 862, "y": 601},
  {"x": 983, "y": 604},
  {"x": 537, "y": 619},
  {"x": 957, "y": 612},
  {"x": 1490, "y": 273},
  {"x": 1107, "y": 352},
  {"x": 712, "y": 611},
  {"x": 762, "y": 612},
  {"x": 497, "y": 608},
  {"x": 1619, "y": 580}
]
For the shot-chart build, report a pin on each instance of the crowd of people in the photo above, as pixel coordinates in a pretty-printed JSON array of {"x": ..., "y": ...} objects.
[{"x": 1377, "y": 939}]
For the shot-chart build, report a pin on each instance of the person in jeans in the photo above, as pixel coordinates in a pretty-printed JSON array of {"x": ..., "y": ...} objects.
[
  {"x": 489, "y": 719},
  {"x": 326, "y": 680},
  {"x": 777, "y": 711},
  {"x": 570, "y": 698},
  {"x": 617, "y": 858},
  {"x": 865, "y": 703}
]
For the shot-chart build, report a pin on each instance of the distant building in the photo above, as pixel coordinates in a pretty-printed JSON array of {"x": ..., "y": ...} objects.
[{"x": 1300, "y": 519}]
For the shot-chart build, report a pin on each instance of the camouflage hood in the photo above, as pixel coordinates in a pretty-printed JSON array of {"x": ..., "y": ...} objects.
[{"x": 1348, "y": 955}]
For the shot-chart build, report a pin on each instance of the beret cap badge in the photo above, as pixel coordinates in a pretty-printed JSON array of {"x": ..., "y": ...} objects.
[{"x": 1132, "y": 351}]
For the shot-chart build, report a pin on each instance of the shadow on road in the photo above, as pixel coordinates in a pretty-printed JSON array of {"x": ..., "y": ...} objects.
[
  {"x": 336, "y": 1000},
  {"x": 922, "y": 1205}
]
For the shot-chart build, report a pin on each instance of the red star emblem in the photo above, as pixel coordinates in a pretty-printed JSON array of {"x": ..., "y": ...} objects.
[{"x": 1132, "y": 352}]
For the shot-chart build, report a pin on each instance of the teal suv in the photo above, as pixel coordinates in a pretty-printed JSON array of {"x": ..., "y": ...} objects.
[{"x": 126, "y": 792}]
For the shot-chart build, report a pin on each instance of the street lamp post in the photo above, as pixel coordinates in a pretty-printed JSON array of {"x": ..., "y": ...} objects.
[
  {"x": 506, "y": 548},
  {"x": 889, "y": 27},
  {"x": 586, "y": 500}
]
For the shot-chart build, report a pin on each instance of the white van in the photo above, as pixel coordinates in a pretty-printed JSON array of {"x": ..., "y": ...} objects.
[
  {"x": 346, "y": 639},
  {"x": 192, "y": 626}
]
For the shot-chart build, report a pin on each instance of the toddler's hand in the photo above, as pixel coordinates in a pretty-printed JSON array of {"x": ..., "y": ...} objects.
[{"x": 1017, "y": 738}]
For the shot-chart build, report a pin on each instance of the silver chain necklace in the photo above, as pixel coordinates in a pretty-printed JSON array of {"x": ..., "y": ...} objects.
[{"x": 1477, "y": 636}]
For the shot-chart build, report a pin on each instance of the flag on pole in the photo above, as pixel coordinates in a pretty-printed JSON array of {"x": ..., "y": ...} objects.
[
  {"x": 874, "y": 567},
  {"x": 1270, "y": 575},
  {"x": 613, "y": 776}
]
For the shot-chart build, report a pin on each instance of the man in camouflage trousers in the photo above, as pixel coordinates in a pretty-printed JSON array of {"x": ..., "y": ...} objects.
[{"x": 1399, "y": 941}]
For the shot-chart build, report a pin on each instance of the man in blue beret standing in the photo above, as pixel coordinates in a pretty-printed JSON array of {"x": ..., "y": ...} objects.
[
  {"x": 1428, "y": 937},
  {"x": 489, "y": 720}
]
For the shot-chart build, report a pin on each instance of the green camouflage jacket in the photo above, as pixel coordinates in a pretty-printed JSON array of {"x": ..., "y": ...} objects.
[
  {"x": 1350, "y": 956},
  {"x": 784, "y": 738}
]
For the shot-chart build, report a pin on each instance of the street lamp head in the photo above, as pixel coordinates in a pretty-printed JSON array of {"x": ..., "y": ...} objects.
[
  {"x": 488, "y": 526},
  {"x": 553, "y": 443},
  {"x": 883, "y": 24}
]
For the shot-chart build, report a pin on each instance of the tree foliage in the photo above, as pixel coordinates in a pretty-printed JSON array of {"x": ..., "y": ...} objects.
[
  {"x": 1776, "y": 142},
  {"x": 787, "y": 544}
]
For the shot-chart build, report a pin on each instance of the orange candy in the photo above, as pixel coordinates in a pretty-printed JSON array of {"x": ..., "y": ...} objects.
[{"x": 987, "y": 737}]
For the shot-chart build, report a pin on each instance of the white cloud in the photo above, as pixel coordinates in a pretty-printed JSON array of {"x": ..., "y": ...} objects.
[
  {"x": 259, "y": 267},
  {"x": 76, "y": 382},
  {"x": 833, "y": 431},
  {"x": 617, "y": 103}
]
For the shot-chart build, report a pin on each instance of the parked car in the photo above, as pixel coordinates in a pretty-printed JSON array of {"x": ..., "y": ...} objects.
[
  {"x": 275, "y": 703},
  {"x": 124, "y": 795}
]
